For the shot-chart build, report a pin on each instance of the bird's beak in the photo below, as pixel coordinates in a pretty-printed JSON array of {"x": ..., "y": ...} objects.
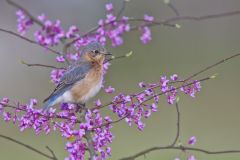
[{"x": 108, "y": 53}]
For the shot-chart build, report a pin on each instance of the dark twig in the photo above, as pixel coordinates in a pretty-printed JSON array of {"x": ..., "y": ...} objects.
[
  {"x": 173, "y": 8},
  {"x": 52, "y": 152},
  {"x": 41, "y": 65},
  {"x": 29, "y": 40},
  {"x": 122, "y": 8},
  {"x": 200, "y": 18},
  {"x": 212, "y": 66},
  {"x": 178, "y": 126},
  {"x": 182, "y": 148},
  {"x": 28, "y": 147}
]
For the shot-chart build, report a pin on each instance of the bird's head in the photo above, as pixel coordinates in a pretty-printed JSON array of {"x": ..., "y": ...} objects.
[{"x": 94, "y": 52}]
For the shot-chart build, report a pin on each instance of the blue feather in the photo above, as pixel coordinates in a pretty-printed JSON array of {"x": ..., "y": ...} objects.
[{"x": 50, "y": 102}]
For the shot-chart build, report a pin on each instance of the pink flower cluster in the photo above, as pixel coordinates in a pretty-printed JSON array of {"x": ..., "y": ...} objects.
[
  {"x": 134, "y": 107},
  {"x": 24, "y": 22},
  {"x": 70, "y": 127},
  {"x": 102, "y": 136},
  {"x": 112, "y": 27}
]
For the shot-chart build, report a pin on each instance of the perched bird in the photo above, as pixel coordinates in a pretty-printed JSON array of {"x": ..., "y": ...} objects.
[{"x": 82, "y": 80}]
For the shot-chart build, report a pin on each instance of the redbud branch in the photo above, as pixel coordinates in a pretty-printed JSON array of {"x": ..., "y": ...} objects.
[
  {"x": 148, "y": 99},
  {"x": 28, "y": 147},
  {"x": 36, "y": 21},
  {"x": 29, "y": 40},
  {"x": 14, "y": 4},
  {"x": 185, "y": 85},
  {"x": 157, "y": 23},
  {"x": 49, "y": 117},
  {"x": 182, "y": 148},
  {"x": 88, "y": 135}
]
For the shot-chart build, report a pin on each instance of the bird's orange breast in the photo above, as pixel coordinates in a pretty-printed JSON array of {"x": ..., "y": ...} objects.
[{"x": 89, "y": 86}]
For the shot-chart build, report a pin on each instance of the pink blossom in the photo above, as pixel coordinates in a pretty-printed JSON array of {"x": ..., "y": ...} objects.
[
  {"x": 148, "y": 18},
  {"x": 109, "y": 89},
  {"x": 192, "y": 140},
  {"x": 109, "y": 7}
]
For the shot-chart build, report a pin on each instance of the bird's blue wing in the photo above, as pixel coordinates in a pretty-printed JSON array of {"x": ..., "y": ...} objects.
[{"x": 70, "y": 77}]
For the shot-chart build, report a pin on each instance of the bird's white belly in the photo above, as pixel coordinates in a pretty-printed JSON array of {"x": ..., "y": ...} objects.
[{"x": 66, "y": 97}]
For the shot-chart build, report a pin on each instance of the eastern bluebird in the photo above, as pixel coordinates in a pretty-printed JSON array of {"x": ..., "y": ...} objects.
[{"x": 82, "y": 80}]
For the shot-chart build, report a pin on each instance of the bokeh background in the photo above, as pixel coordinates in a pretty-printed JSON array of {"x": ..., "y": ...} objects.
[{"x": 213, "y": 116}]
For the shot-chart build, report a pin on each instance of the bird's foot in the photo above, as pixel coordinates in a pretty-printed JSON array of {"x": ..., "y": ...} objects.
[{"x": 80, "y": 107}]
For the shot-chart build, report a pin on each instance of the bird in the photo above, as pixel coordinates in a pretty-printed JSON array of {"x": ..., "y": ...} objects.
[{"x": 82, "y": 80}]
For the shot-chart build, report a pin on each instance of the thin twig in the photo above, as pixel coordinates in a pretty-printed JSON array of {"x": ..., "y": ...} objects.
[
  {"x": 29, "y": 40},
  {"x": 52, "y": 152},
  {"x": 27, "y": 146},
  {"x": 212, "y": 66},
  {"x": 122, "y": 9},
  {"x": 41, "y": 65},
  {"x": 200, "y": 18},
  {"x": 173, "y": 8},
  {"x": 178, "y": 125},
  {"x": 182, "y": 148}
]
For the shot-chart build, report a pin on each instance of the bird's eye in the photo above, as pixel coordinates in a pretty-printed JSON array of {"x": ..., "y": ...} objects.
[{"x": 96, "y": 51}]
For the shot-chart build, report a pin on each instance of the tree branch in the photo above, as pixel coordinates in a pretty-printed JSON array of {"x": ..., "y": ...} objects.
[
  {"x": 29, "y": 40},
  {"x": 178, "y": 126},
  {"x": 182, "y": 148},
  {"x": 52, "y": 152},
  {"x": 212, "y": 66},
  {"x": 28, "y": 147},
  {"x": 172, "y": 7},
  {"x": 124, "y": 3}
]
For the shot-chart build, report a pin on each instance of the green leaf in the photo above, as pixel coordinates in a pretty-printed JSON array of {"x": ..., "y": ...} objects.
[{"x": 129, "y": 54}]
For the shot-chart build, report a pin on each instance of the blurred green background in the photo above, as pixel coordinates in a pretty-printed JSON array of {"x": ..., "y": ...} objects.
[{"x": 213, "y": 116}]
